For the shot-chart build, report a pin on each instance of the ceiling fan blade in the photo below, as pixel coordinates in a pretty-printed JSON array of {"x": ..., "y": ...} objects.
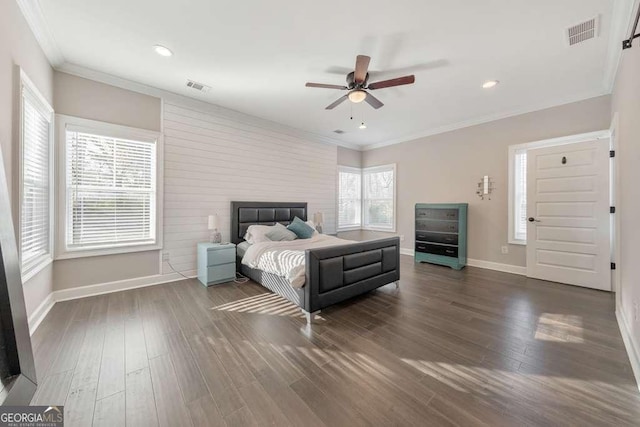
[
  {"x": 338, "y": 102},
  {"x": 406, "y": 80},
  {"x": 373, "y": 101},
  {"x": 325, "y": 86},
  {"x": 362, "y": 66}
]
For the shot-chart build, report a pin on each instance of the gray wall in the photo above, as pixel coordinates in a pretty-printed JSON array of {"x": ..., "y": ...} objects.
[
  {"x": 349, "y": 157},
  {"x": 447, "y": 167},
  {"x": 75, "y": 96},
  {"x": 626, "y": 102},
  {"x": 18, "y": 46}
]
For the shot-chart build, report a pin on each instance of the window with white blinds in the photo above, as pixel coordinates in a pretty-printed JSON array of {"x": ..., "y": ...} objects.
[
  {"x": 366, "y": 198},
  {"x": 378, "y": 195},
  {"x": 349, "y": 198},
  {"x": 520, "y": 195},
  {"x": 36, "y": 166},
  {"x": 110, "y": 191}
]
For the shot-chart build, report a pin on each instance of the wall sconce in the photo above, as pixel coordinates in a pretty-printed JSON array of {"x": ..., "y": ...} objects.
[{"x": 485, "y": 187}]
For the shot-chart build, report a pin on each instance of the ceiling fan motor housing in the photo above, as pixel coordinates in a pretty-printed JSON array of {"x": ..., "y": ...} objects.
[{"x": 351, "y": 81}]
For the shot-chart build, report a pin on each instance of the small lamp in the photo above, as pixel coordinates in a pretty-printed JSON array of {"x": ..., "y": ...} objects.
[
  {"x": 318, "y": 219},
  {"x": 215, "y": 236}
]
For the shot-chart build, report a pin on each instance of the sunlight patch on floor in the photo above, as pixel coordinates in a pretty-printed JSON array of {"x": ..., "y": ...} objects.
[
  {"x": 267, "y": 303},
  {"x": 559, "y": 328}
]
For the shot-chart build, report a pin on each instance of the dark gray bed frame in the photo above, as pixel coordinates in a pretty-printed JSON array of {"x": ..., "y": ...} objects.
[{"x": 333, "y": 274}]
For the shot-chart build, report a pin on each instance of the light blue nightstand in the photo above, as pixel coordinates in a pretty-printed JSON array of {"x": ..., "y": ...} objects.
[{"x": 216, "y": 263}]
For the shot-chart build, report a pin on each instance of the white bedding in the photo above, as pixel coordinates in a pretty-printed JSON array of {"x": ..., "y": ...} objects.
[{"x": 286, "y": 259}]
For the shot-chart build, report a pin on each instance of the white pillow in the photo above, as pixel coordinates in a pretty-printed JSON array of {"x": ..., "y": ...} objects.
[{"x": 257, "y": 233}]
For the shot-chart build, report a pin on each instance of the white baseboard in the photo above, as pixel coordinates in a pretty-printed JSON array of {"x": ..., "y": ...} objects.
[
  {"x": 505, "y": 268},
  {"x": 120, "y": 285},
  {"x": 633, "y": 349},
  {"x": 92, "y": 290},
  {"x": 40, "y": 313}
]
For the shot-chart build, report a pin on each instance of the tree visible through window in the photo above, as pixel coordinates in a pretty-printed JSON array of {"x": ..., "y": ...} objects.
[{"x": 349, "y": 198}]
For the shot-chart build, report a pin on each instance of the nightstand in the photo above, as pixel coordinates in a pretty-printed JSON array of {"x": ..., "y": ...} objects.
[{"x": 216, "y": 263}]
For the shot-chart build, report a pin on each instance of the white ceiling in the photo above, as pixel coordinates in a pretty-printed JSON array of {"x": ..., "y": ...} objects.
[{"x": 257, "y": 55}]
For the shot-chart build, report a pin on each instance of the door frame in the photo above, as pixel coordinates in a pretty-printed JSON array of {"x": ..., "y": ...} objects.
[{"x": 614, "y": 187}]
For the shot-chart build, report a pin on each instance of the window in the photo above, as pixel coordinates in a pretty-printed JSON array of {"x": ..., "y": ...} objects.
[
  {"x": 349, "y": 198},
  {"x": 366, "y": 198},
  {"x": 520, "y": 196},
  {"x": 379, "y": 197},
  {"x": 36, "y": 167},
  {"x": 110, "y": 176}
]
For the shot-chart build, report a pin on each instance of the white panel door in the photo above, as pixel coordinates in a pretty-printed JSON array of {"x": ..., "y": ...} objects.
[{"x": 568, "y": 214}]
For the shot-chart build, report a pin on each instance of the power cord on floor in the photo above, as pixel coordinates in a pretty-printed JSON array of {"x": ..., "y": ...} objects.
[
  {"x": 176, "y": 271},
  {"x": 240, "y": 278}
]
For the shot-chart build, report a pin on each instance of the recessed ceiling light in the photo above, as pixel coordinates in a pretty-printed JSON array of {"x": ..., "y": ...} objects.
[
  {"x": 162, "y": 51},
  {"x": 490, "y": 83},
  {"x": 362, "y": 126}
]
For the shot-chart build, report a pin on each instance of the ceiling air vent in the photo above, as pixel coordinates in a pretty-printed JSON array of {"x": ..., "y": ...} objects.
[
  {"x": 198, "y": 86},
  {"x": 582, "y": 32},
  {"x": 338, "y": 131}
]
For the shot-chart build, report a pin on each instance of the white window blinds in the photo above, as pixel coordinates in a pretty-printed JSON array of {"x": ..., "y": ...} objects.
[
  {"x": 378, "y": 197},
  {"x": 111, "y": 191},
  {"x": 36, "y": 167},
  {"x": 349, "y": 198},
  {"x": 520, "y": 195}
]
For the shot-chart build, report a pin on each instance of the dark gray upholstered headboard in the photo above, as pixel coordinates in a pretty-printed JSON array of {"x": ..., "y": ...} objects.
[{"x": 244, "y": 214}]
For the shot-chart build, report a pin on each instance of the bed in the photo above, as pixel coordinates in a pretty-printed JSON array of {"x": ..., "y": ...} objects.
[{"x": 332, "y": 274}]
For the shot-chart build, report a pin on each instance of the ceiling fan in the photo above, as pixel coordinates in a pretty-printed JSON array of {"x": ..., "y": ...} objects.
[{"x": 358, "y": 85}]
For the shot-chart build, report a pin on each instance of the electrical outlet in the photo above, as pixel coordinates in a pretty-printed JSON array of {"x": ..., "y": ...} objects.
[
  {"x": 165, "y": 256},
  {"x": 402, "y": 237},
  {"x": 505, "y": 249}
]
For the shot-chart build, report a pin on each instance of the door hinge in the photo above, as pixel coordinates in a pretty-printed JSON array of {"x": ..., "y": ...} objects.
[
  {"x": 612, "y": 153},
  {"x": 612, "y": 209},
  {"x": 613, "y": 265}
]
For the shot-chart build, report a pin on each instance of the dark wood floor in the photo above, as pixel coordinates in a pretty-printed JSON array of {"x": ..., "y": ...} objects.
[{"x": 474, "y": 347}]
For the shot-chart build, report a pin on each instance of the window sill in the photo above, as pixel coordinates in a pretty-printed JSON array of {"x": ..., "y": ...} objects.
[
  {"x": 385, "y": 230},
  {"x": 36, "y": 268},
  {"x": 91, "y": 252},
  {"x": 345, "y": 229},
  {"x": 517, "y": 242}
]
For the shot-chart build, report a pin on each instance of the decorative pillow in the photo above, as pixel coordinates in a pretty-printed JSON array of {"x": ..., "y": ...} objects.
[
  {"x": 258, "y": 233},
  {"x": 302, "y": 229},
  {"x": 279, "y": 233}
]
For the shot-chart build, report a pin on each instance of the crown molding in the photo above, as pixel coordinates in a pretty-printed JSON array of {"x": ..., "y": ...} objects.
[
  {"x": 487, "y": 119},
  {"x": 621, "y": 23},
  {"x": 99, "y": 76},
  {"x": 32, "y": 13}
]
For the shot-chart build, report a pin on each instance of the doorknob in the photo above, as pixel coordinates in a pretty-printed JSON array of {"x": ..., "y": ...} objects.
[{"x": 532, "y": 219}]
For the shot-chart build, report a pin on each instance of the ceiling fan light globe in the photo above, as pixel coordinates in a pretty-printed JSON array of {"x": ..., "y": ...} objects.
[{"x": 357, "y": 96}]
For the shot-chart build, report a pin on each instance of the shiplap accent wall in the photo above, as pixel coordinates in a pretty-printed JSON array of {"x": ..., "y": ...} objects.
[{"x": 211, "y": 159}]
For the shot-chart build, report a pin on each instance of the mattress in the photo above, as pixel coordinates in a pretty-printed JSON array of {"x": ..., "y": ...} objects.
[
  {"x": 241, "y": 248},
  {"x": 287, "y": 259}
]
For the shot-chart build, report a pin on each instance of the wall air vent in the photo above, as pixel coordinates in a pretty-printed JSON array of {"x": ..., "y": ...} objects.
[
  {"x": 582, "y": 32},
  {"x": 198, "y": 86},
  {"x": 338, "y": 131}
]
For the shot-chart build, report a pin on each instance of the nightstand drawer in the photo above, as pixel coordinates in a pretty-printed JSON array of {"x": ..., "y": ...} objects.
[
  {"x": 221, "y": 256},
  {"x": 221, "y": 273}
]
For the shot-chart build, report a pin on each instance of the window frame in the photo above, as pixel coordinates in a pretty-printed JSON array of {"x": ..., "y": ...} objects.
[
  {"x": 114, "y": 131},
  {"x": 42, "y": 105},
  {"x": 518, "y": 148},
  {"x": 391, "y": 166},
  {"x": 362, "y": 171},
  {"x": 350, "y": 169}
]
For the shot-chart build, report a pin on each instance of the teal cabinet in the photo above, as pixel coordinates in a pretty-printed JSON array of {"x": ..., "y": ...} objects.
[
  {"x": 441, "y": 234},
  {"x": 216, "y": 263}
]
